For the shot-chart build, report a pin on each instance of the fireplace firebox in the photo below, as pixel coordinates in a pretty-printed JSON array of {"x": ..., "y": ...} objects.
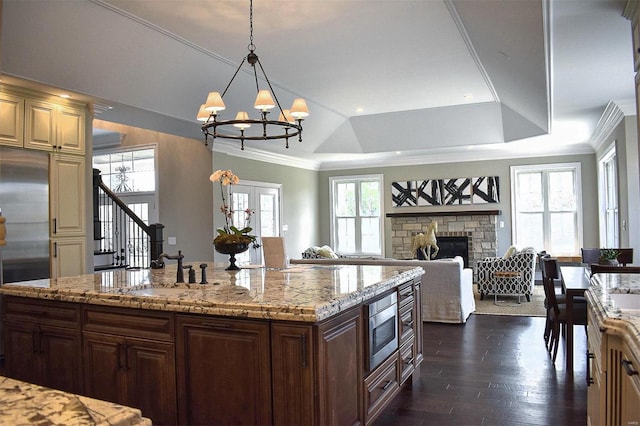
[{"x": 451, "y": 247}]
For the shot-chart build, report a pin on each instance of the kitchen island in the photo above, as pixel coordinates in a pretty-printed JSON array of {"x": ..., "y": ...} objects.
[
  {"x": 613, "y": 356},
  {"x": 254, "y": 346}
]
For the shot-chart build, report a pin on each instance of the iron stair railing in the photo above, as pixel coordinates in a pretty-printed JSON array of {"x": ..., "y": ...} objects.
[{"x": 118, "y": 232}]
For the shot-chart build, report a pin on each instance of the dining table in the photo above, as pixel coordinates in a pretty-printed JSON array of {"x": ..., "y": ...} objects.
[{"x": 575, "y": 281}]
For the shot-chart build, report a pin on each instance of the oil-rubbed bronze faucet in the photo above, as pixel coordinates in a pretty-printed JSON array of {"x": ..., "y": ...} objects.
[{"x": 157, "y": 264}]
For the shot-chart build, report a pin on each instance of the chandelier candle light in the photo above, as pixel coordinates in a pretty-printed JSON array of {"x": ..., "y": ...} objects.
[{"x": 288, "y": 124}]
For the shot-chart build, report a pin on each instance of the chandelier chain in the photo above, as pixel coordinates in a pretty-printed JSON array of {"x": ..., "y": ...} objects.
[{"x": 251, "y": 46}]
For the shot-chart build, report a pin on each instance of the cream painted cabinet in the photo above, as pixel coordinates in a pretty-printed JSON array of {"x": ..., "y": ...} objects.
[
  {"x": 66, "y": 193},
  {"x": 596, "y": 378},
  {"x": 630, "y": 383},
  {"x": 67, "y": 256},
  {"x": 67, "y": 215},
  {"x": 11, "y": 120},
  {"x": 53, "y": 127}
]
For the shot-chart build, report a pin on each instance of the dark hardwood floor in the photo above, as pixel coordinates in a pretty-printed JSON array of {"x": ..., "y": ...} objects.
[{"x": 494, "y": 370}]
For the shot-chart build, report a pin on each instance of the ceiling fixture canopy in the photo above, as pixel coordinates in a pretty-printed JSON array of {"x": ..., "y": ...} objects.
[{"x": 288, "y": 124}]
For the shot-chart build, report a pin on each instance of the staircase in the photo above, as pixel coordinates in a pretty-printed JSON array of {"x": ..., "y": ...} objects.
[{"x": 121, "y": 238}]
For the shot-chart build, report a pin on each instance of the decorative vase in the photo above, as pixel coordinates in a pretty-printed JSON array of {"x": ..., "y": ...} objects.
[
  {"x": 608, "y": 262},
  {"x": 231, "y": 249}
]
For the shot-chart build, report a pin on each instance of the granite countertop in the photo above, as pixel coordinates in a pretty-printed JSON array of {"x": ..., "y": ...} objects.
[
  {"x": 24, "y": 403},
  {"x": 300, "y": 293},
  {"x": 625, "y": 322}
]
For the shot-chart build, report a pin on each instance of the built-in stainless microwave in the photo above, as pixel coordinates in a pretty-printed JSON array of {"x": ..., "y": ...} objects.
[{"x": 382, "y": 329}]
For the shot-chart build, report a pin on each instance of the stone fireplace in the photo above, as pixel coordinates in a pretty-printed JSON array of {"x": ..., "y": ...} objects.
[{"x": 480, "y": 228}]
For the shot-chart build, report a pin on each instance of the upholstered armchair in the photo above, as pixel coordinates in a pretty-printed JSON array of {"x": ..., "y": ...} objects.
[{"x": 512, "y": 275}]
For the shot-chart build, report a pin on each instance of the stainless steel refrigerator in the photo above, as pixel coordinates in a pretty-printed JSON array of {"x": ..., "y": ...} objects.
[{"x": 24, "y": 202}]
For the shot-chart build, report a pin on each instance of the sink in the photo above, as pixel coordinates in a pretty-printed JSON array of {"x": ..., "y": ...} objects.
[
  {"x": 159, "y": 291},
  {"x": 626, "y": 301}
]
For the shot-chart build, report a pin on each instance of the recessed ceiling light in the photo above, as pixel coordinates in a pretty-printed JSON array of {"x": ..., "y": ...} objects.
[
  {"x": 65, "y": 95},
  {"x": 468, "y": 96},
  {"x": 359, "y": 110}
]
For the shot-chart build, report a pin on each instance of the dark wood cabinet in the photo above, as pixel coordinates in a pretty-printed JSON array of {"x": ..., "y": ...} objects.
[
  {"x": 130, "y": 371},
  {"x": 195, "y": 369},
  {"x": 42, "y": 343},
  {"x": 129, "y": 358},
  {"x": 224, "y": 371},
  {"x": 293, "y": 370}
]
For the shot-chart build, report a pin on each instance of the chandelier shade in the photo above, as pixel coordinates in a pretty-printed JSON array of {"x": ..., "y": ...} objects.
[{"x": 288, "y": 124}]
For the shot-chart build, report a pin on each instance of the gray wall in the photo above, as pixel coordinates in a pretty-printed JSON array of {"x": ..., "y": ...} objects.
[{"x": 468, "y": 169}]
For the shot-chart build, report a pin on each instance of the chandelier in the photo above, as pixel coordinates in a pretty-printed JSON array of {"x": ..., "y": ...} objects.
[{"x": 288, "y": 124}]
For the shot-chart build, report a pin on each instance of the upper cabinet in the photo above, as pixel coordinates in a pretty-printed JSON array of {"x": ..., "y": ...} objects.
[
  {"x": 37, "y": 123},
  {"x": 11, "y": 119},
  {"x": 53, "y": 127}
]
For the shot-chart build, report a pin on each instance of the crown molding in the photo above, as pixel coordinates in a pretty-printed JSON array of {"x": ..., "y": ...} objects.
[
  {"x": 610, "y": 118},
  {"x": 233, "y": 149}
]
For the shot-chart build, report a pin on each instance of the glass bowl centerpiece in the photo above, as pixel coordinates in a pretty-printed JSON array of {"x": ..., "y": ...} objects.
[{"x": 232, "y": 239}]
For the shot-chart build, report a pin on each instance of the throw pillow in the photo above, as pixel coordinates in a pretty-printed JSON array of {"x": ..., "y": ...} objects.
[
  {"x": 510, "y": 252},
  {"x": 326, "y": 251}
]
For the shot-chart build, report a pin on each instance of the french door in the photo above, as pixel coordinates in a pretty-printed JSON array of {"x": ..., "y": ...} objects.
[{"x": 264, "y": 201}]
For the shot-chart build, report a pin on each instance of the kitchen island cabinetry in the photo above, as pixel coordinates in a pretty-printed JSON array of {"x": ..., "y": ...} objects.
[
  {"x": 223, "y": 371},
  {"x": 613, "y": 366},
  {"x": 42, "y": 343},
  {"x": 129, "y": 358},
  {"x": 288, "y": 347}
]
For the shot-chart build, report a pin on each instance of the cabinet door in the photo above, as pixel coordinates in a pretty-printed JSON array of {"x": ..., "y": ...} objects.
[
  {"x": 418, "y": 345},
  {"x": 40, "y": 130},
  {"x": 21, "y": 354},
  {"x": 11, "y": 120},
  {"x": 341, "y": 363},
  {"x": 151, "y": 379},
  {"x": 61, "y": 354},
  {"x": 630, "y": 388},
  {"x": 292, "y": 372},
  {"x": 70, "y": 130},
  {"x": 104, "y": 367},
  {"x": 67, "y": 194},
  {"x": 68, "y": 257},
  {"x": 224, "y": 371}
]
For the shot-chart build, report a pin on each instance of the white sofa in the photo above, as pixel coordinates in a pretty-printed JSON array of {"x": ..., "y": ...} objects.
[{"x": 447, "y": 286}]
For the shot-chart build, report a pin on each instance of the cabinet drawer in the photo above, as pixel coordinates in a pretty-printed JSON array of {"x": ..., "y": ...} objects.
[
  {"x": 35, "y": 311},
  {"x": 407, "y": 362},
  {"x": 405, "y": 293},
  {"x": 406, "y": 323},
  {"x": 147, "y": 325},
  {"x": 381, "y": 385},
  {"x": 594, "y": 337}
]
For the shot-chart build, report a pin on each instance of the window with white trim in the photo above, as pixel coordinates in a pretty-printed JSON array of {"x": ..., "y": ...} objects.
[
  {"x": 356, "y": 215},
  {"x": 546, "y": 207},
  {"x": 608, "y": 182}
]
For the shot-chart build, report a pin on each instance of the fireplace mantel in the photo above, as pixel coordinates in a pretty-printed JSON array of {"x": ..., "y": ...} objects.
[{"x": 447, "y": 213}]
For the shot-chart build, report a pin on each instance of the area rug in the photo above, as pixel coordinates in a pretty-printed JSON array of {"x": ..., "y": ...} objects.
[{"x": 508, "y": 305}]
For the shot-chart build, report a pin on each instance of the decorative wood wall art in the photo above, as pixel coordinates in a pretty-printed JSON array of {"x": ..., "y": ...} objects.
[
  {"x": 403, "y": 194},
  {"x": 437, "y": 192}
]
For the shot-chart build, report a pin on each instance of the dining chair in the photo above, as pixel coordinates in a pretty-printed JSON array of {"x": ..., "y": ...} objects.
[
  {"x": 626, "y": 256},
  {"x": 590, "y": 255},
  {"x": 557, "y": 312},
  {"x": 273, "y": 252}
]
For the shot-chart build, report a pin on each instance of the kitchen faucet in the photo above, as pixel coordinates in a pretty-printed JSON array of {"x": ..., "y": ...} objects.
[{"x": 157, "y": 264}]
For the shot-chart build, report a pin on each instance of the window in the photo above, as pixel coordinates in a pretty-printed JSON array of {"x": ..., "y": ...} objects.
[
  {"x": 546, "y": 207},
  {"x": 608, "y": 182},
  {"x": 356, "y": 222},
  {"x": 128, "y": 171}
]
